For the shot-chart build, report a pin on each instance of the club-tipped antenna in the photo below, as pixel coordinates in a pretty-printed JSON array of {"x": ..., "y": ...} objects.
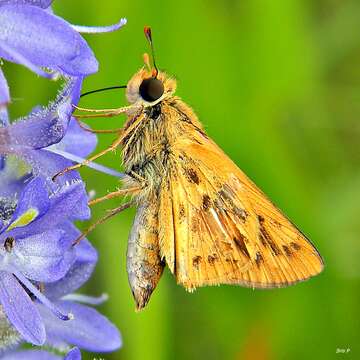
[
  {"x": 147, "y": 32},
  {"x": 103, "y": 89}
]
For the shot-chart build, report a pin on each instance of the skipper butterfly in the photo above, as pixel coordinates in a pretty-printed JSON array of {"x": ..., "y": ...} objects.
[{"x": 197, "y": 212}]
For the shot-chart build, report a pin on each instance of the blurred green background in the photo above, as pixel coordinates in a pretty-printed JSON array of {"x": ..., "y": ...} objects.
[{"x": 277, "y": 85}]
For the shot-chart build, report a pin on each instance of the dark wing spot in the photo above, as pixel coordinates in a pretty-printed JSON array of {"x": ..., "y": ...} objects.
[
  {"x": 192, "y": 176},
  {"x": 261, "y": 219},
  {"x": 181, "y": 212},
  {"x": 276, "y": 223},
  {"x": 232, "y": 261},
  {"x": 196, "y": 261},
  {"x": 212, "y": 258},
  {"x": 274, "y": 247},
  {"x": 259, "y": 259},
  {"x": 241, "y": 213},
  {"x": 224, "y": 195},
  {"x": 287, "y": 250},
  {"x": 295, "y": 246},
  {"x": 227, "y": 195},
  {"x": 206, "y": 202},
  {"x": 262, "y": 234},
  {"x": 225, "y": 246},
  {"x": 266, "y": 238},
  {"x": 240, "y": 243},
  {"x": 263, "y": 240}
]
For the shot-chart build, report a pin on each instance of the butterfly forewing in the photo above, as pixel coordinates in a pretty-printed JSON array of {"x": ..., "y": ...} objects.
[{"x": 218, "y": 227}]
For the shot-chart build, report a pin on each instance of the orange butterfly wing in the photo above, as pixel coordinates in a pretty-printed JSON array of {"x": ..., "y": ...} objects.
[{"x": 217, "y": 227}]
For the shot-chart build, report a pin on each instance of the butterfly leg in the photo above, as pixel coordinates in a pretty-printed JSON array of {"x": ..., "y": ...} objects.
[
  {"x": 118, "y": 110},
  {"x": 108, "y": 216},
  {"x": 102, "y": 112},
  {"x": 112, "y": 147},
  {"x": 114, "y": 194},
  {"x": 110, "y": 131}
]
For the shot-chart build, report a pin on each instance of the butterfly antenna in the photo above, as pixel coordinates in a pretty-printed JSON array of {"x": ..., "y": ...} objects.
[
  {"x": 103, "y": 89},
  {"x": 147, "y": 32}
]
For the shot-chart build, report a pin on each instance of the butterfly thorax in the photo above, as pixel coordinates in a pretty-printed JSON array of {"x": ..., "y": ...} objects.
[{"x": 152, "y": 136}]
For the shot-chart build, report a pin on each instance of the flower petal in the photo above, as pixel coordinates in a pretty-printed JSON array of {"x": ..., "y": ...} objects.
[
  {"x": 8, "y": 52},
  {"x": 30, "y": 355},
  {"x": 2, "y": 162},
  {"x": 77, "y": 141},
  {"x": 43, "y": 257},
  {"x": 4, "y": 120},
  {"x": 69, "y": 96},
  {"x": 49, "y": 164},
  {"x": 42, "y": 127},
  {"x": 34, "y": 197},
  {"x": 89, "y": 164},
  {"x": 13, "y": 178},
  {"x": 88, "y": 330},
  {"x": 73, "y": 354},
  {"x": 35, "y": 291},
  {"x": 64, "y": 205},
  {"x": 41, "y": 3},
  {"x": 4, "y": 117},
  {"x": 4, "y": 90},
  {"x": 20, "y": 310},
  {"x": 99, "y": 29},
  {"x": 36, "y": 131},
  {"x": 79, "y": 273},
  {"x": 86, "y": 299},
  {"x": 44, "y": 40}
]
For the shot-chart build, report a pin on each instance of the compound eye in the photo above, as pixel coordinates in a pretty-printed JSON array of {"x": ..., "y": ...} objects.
[{"x": 151, "y": 89}]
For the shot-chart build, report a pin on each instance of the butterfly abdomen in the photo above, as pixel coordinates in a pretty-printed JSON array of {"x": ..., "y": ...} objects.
[{"x": 144, "y": 266}]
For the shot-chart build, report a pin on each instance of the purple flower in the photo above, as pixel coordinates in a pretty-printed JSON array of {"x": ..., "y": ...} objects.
[
  {"x": 73, "y": 354},
  {"x": 4, "y": 89},
  {"x": 40, "y": 268},
  {"x": 38, "y": 138},
  {"x": 30, "y": 139},
  {"x": 41, "y": 3},
  {"x": 36, "y": 238},
  {"x": 49, "y": 139},
  {"x": 43, "y": 126},
  {"x": 36, "y": 38},
  {"x": 88, "y": 330}
]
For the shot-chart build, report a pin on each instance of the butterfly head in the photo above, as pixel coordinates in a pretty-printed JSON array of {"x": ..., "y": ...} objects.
[{"x": 149, "y": 86}]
